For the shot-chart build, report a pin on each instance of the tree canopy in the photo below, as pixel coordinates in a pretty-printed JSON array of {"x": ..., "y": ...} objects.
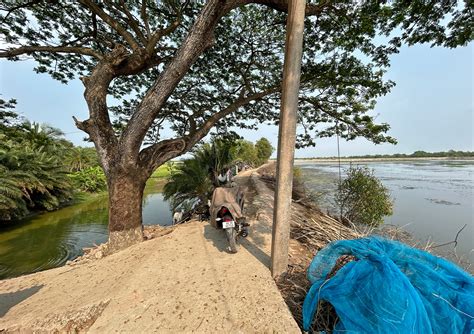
[
  {"x": 343, "y": 61},
  {"x": 264, "y": 150}
]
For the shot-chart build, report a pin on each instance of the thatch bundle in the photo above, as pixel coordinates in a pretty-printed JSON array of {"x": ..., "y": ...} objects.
[{"x": 311, "y": 230}]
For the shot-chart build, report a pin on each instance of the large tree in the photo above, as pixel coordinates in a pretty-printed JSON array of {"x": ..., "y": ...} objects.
[{"x": 191, "y": 65}]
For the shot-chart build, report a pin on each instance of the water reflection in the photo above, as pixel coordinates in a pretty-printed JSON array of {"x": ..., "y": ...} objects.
[{"x": 49, "y": 240}]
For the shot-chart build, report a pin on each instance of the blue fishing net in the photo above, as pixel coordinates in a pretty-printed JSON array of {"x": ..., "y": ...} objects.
[{"x": 390, "y": 288}]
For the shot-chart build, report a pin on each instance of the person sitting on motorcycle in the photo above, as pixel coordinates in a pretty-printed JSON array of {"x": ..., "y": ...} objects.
[{"x": 224, "y": 177}]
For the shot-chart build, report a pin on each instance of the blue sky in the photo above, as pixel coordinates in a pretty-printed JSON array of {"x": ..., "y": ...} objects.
[{"x": 431, "y": 107}]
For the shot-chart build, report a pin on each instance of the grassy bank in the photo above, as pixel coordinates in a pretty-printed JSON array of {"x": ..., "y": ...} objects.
[
  {"x": 159, "y": 177},
  {"x": 82, "y": 196},
  {"x": 154, "y": 183}
]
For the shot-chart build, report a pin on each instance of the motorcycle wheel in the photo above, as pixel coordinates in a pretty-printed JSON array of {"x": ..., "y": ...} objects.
[
  {"x": 231, "y": 237},
  {"x": 245, "y": 232}
]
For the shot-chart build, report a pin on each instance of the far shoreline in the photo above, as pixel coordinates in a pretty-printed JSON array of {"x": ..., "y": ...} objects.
[{"x": 335, "y": 159}]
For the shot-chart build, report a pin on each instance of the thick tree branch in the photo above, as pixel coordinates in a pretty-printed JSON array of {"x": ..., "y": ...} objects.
[
  {"x": 98, "y": 126},
  {"x": 157, "y": 35},
  {"x": 53, "y": 49},
  {"x": 199, "y": 38},
  {"x": 144, "y": 17},
  {"x": 111, "y": 22},
  {"x": 211, "y": 121},
  {"x": 21, "y": 5},
  {"x": 158, "y": 153}
]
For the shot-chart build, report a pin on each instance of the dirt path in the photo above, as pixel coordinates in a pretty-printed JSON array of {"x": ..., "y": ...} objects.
[{"x": 184, "y": 281}]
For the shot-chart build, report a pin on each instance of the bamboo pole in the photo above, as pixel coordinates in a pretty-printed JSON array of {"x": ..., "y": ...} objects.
[{"x": 287, "y": 136}]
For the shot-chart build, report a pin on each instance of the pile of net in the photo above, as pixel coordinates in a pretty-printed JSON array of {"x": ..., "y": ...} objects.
[{"x": 390, "y": 288}]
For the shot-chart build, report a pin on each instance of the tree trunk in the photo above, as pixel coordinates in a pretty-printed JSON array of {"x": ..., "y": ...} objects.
[{"x": 125, "y": 210}]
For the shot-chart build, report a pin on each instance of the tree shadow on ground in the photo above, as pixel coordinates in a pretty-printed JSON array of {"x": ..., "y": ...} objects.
[
  {"x": 219, "y": 241},
  {"x": 10, "y": 299}
]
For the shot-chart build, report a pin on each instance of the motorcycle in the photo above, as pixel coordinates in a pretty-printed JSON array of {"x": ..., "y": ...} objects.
[{"x": 226, "y": 213}]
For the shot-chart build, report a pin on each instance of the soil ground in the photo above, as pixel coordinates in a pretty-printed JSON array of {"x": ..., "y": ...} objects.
[{"x": 183, "y": 281}]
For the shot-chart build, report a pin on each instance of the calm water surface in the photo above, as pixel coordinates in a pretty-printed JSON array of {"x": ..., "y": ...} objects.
[
  {"x": 432, "y": 199},
  {"x": 49, "y": 240}
]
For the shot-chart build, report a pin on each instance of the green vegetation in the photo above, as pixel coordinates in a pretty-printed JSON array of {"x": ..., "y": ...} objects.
[
  {"x": 448, "y": 154},
  {"x": 196, "y": 178},
  {"x": 191, "y": 180},
  {"x": 165, "y": 170},
  {"x": 250, "y": 154},
  {"x": 91, "y": 179},
  {"x": 39, "y": 170},
  {"x": 264, "y": 150},
  {"x": 30, "y": 180},
  {"x": 79, "y": 158},
  {"x": 363, "y": 199},
  {"x": 244, "y": 151},
  {"x": 160, "y": 176}
]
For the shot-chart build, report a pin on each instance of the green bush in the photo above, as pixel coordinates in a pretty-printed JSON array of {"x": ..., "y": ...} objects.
[
  {"x": 264, "y": 150},
  {"x": 363, "y": 199},
  {"x": 91, "y": 179},
  {"x": 165, "y": 170},
  {"x": 244, "y": 151}
]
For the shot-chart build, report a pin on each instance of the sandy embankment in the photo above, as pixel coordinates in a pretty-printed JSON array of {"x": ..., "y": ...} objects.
[{"x": 183, "y": 281}]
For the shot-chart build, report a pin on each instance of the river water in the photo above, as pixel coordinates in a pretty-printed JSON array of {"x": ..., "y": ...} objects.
[
  {"x": 49, "y": 240},
  {"x": 433, "y": 199}
]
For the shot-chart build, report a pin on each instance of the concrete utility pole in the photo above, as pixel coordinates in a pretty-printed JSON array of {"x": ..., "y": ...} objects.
[{"x": 287, "y": 136}]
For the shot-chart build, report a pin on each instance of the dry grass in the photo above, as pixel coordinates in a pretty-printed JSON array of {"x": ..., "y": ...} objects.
[
  {"x": 314, "y": 234},
  {"x": 311, "y": 230}
]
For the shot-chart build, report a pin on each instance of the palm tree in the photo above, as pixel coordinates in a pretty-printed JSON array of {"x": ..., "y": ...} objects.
[
  {"x": 215, "y": 157},
  {"x": 196, "y": 178},
  {"x": 32, "y": 170},
  {"x": 79, "y": 158},
  {"x": 41, "y": 135},
  {"x": 188, "y": 182},
  {"x": 12, "y": 203},
  {"x": 31, "y": 179}
]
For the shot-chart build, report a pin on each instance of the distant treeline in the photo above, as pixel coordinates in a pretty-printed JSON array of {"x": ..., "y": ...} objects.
[{"x": 417, "y": 154}]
